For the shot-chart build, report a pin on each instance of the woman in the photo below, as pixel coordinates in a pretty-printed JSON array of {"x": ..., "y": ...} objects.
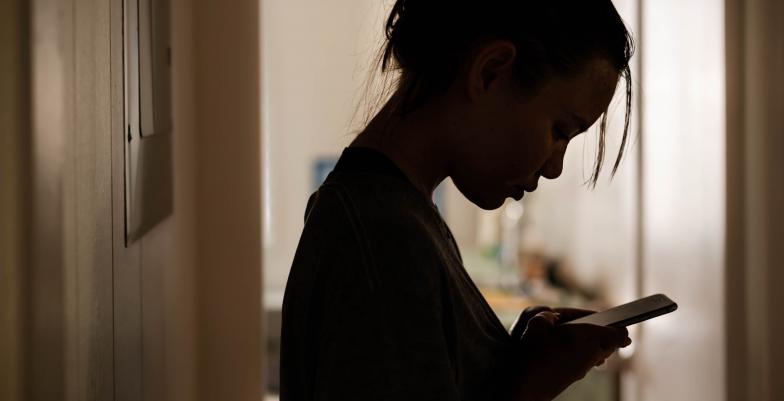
[{"x": 378, "y": 305}]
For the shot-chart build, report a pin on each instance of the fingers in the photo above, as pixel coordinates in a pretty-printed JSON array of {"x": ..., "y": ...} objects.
[
  {"x": 520, "y": 324},
  {"x": 544, "y": 318},
  {"x": 622, "y": 331},
  {"x": 541, "y": 324},
  {"x": 622, "y": 337},
  {"x": 614, "y": 337},
  {"x": 625, "y": 339},
  {"x": 532, "y": 311},
  {"x": 606, "y": 339}
]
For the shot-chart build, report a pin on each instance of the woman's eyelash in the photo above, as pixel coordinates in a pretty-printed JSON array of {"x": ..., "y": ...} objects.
[{"x": 561, "y": 134}]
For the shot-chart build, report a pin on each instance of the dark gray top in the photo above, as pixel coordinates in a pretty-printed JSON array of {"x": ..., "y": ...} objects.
[{"x": 378, "y": 305}]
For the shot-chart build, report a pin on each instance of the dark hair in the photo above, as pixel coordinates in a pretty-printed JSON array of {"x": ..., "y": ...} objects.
[{"x": 428, "y": 39}]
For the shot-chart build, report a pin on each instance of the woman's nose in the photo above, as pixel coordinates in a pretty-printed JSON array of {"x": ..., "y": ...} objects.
[
  {"x": 552, "y": 171},
  {"x": 554, "y": 165}
]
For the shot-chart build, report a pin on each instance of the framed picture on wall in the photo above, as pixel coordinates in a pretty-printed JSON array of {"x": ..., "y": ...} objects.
[{"x": 322, "y": 166}]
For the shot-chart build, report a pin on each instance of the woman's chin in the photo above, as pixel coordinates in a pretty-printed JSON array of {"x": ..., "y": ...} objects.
[
  {"x": 489, "y": 203},
  {"x": 487, "y": 197}
]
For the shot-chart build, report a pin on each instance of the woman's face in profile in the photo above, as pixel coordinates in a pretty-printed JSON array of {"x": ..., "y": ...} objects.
[{"x": 508, "y": 141}]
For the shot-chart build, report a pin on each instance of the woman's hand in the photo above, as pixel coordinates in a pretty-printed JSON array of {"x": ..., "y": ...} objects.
[
  {"x": 553, "y": 356},
  {"x": 520, "y": 324},
  {"x": 563, "y": 314}
]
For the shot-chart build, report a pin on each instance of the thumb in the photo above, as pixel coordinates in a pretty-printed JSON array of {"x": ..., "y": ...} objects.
[
  {"x": 540, "y": 324},
  {"x": 521, "y": 323}
]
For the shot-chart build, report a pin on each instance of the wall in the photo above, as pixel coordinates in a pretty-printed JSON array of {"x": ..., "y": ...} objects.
[
  {"x": 177, "y": 314},
  {"x": 14, "y": 179},
  {"x": 683, "y": 198},
  {"x": 755, "y": 195},
  {"x": 91, "y": 342},
  {"x": 227, "y": 174}
]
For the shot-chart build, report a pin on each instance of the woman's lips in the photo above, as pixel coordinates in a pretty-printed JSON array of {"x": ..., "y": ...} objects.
[
  {"x": 535, "y": 184},
  {"x": 519, "y": 191}
]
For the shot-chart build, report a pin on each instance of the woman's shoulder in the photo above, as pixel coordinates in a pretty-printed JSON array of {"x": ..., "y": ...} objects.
[
  {"x": 377, "y": 205},
  {"x": 389, "y": 222}
]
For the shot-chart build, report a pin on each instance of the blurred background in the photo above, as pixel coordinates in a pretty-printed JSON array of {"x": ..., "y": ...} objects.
[
  {"x": 264, "y": 96},
  {"x": 658, "y": 226}
]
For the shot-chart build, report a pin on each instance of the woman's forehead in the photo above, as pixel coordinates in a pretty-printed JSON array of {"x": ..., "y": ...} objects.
[{"x": 586, "y": 94}]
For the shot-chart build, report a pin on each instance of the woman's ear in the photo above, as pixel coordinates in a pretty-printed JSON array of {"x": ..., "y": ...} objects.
[{"x": 491, "y": 61}]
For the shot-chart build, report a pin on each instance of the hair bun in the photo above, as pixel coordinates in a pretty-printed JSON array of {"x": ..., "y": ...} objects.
[{"x": 416, "y": 31}]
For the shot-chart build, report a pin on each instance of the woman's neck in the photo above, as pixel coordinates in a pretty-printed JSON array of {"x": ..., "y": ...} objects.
[{"x": 413, "y": 142}]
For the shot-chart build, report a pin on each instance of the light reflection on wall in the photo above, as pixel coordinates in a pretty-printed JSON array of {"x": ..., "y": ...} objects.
[{"x": 681, "y": 358}]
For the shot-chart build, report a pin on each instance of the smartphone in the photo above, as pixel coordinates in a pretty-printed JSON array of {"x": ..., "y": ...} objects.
[{"x": 631, "y": 313}]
